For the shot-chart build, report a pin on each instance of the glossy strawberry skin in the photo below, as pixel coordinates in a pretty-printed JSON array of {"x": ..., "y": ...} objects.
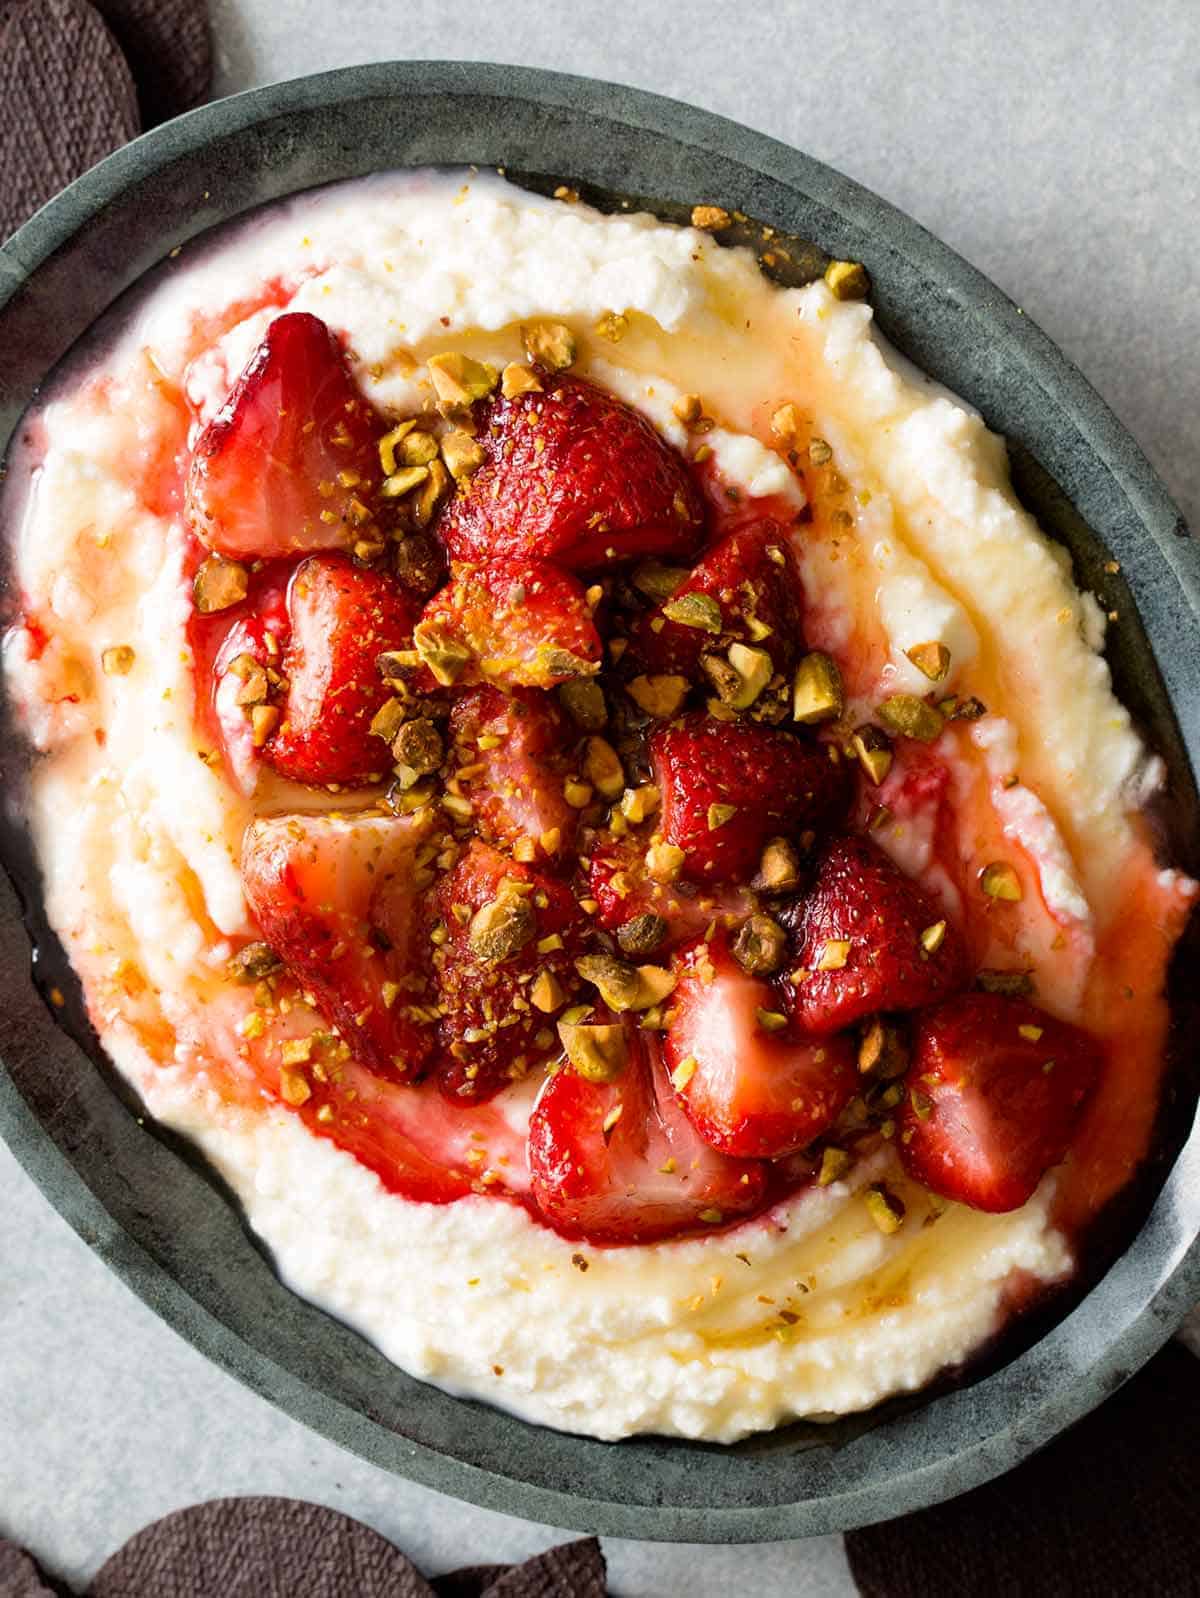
[
  {"x": 527, "y": 624},
  {"x": 990, "y": 1108},
  {"x": 778, "y": 785},
  {"x": 752, "y": 575},
  {"x": 516, "y": 785},
  {"x": 649, "y": 1176},
  {"x": 861, "y": 897},
  {"x": 748, "y": 1091},
  {"x": 333, "y": 897},
  {"x": 342, "y": 617},
  {"x": 264, "y": 476},
  {"x": 479, "y": 1055},
  {"x": 573, "y": 475}
]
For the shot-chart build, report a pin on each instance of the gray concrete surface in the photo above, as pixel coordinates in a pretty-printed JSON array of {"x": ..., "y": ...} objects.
[{"x": 1052, "y": 144}]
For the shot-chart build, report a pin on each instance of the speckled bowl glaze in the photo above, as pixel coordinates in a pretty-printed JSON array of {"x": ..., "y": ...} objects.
[{"x": 153, "y": 1211}]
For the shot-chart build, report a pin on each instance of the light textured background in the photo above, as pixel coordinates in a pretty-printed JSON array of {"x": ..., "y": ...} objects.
[{"x": 1054, "y": 145}]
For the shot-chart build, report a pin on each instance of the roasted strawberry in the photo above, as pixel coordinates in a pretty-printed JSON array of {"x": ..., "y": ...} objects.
[
  {"x": 514, "y": 623},
  {"x": 868, "y": 938},
  {"x": 334, "y": 897},
  {"x": 515, "y": 749},
  {"x": 626, "y": 893},
  {"x": 745, "y": 590},
  {"x": 618, "y": 1162},
  {"x": 342, "y": 618},
  {"x": 505, "y": 967},
  {"x": 238, "y": 660},
  {"x": 995, "y": 1089},
  {"x": 573, "y": 475},
  {"x": 749, "y": 1087},
  {"x": 729, "y": 786},
  {"x": 289, "y": 462}
]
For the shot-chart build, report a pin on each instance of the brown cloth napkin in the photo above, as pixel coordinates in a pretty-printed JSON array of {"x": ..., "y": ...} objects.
[{"x": 70, "y": 93}]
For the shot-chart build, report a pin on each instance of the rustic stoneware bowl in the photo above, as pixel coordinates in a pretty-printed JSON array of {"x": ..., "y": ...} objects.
[{"x": 148, "y": 1205}]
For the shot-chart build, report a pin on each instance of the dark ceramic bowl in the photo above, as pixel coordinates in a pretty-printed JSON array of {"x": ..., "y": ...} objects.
[{"x": 148, "y": 1205}]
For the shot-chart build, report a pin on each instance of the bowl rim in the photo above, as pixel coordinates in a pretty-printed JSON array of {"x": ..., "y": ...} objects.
[{"x": 1136, "y": 1321}]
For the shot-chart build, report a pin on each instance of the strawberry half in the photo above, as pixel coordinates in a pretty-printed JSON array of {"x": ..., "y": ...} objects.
[
  {"x": 342, "y": 617},
  {"x": 748, "y": 1091},
  {"x": 334, "y": 899},
  {"x": 619, "y": 1162},
  {"x": 729, "y": 786},
  {"x": 280, "y": 466},
  {"x": 751, "y": 575},
  {"x": 516, "y": 751},
  {"x": 868, "y": 938},
  {"x": 573, "y": 475},
  {"x": 623, "y": 890},
  {"x": 522, "y": 624},
  {"x": 492, "y": 1031},
  {"x": 995, "y": 1090}
]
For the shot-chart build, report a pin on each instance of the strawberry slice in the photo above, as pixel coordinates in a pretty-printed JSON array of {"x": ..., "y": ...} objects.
[
  {"x": 868, "y": 938},
  {"x": 573, "y": 475},
  {"x": 752, "y": 577},
  {"x": 521, "y": 624},
  {"x": 342, "y": 617},
  {"x": 492, "y": 1030},
  {"x": 284, "y": 463},
  {"x": 748, "y": 1090},
  {"x": 255, "y": 635},
  {"x": 619, "y": 1162},
  {"x": 729, "y": 786},
  {"x": 995, "y": 1089},
  {"x": 624, "y": 890},
  {"x": 515, "y": 749},
  {"x": 334, "y": 898}
]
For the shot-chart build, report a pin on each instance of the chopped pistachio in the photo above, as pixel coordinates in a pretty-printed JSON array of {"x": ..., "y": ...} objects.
[
  {"x": 664, "y": 861},
  {"x": 1015, "y": 984},
  {"x": 577, "y": 794},
  {"x": 419, "y": 744},
  {"x": 969, "y": 709},
  {"x": 1000, "y": 881},
  {"x": 881, "y": 1050},
  {"x": 387, "y": 444},
  {"x": 462, "y": 454},
  {"x": 932, "y": 937},
  {"x": 785, "y": 424},
  {"x": 642, "y": 935},
  {"x": 885, "y": 1209},
  {"x": 710, "y": 217},
  {"x": 583, "y": 700},
  {"x": 613, "y": 326},
  {"x": 911, "y": 717},
  {"x": 694, "y": 610},
  {"x": 754, "y": 668},
  {"x": 723, "y": 678},
  {"x": 847, "y": 280},
  {"x": 501, "y": 927},
  {"x": 834, "y": 1165},
  {"x": 293, "y": 1087},
  {"x": 218, "y": 584},
  {"x": 407, "y": 801},
  {"x": 417, "y": 449},
  {"x": 603, "y": 769},
  {"x": 1030, "y": 1033},
  {"x": 638, "y": 803},
  {"x": 817, "y": 691},
  {"x": 684, "y": 1072},
  {"x": 598, "y": 1053},
  {"x": 771, "y": 1020},
  {"x": 657, "y": 985},
  {"x": 760, "y": 945},
  {"x": 117, "y": 661},
  {"x": 660, "y": 696},
  {"x": 394, "y": 665},
  {"x": 687, "y": 408},
  {"x": 525, "y": 850},
  {"x": 549, "y": 344},
  {"x": 546, "y": 993},
  {"x": 833, "y": 954},
  {"x": 778, "y": 869},
  {"x": 263, "y": 721},
  {"x": 719, "y": 815},
  {"x": 458, "y": 381},
  {"x": 618, "y": 984},
  {"x": 388, "y": 720},
  {"x": 872, "y": 748},
  {"x": 253, "y": 963},
  {"x": 819, "y": 452},
  {"x": 658, "y": 582},
  {"x": 932, "y": 660},
  {"x": 431, "y": 494},
  {"x": 517, "y": 379},
  {"x": 403, "y": 481},
  {"x": 446, "y": 658}
]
